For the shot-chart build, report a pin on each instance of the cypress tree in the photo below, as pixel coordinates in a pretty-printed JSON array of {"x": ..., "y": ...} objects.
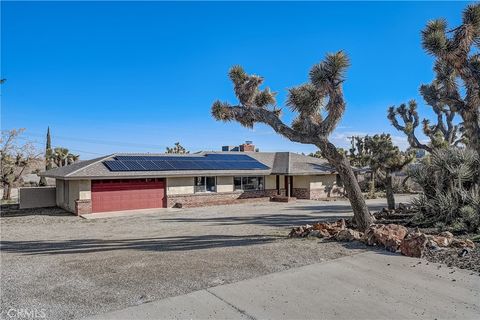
[{"x": 48, "y": 161}]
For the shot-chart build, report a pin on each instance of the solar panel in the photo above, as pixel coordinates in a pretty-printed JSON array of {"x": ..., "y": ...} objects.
[
  {"x": 163, "y": 165},
  {"x": 169, "y": 163},
  {"x": 175, "y": 158},
  {"x": 229, "y": 157},
  {"x": 115, "y": 166},
  {"x": 246, "y": 165},
  {"x": 148, "y": 165},
  {"x": 205, "y": 165},
  {"x": 183, "y": 165},
  {"x": 133, "y": 165},
  {"x": 130, "y": 158}
]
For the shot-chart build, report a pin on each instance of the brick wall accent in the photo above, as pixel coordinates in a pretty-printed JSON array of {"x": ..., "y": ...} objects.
[
  {"x": 319, "y": 194},
  {"x": 273, "y": 192},
  {"x": 301, "y": 193},
  {"x": 209, "y": 199},
  {"x": 83, "y": 206}
]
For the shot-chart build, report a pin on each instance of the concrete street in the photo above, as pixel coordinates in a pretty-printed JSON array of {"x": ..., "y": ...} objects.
[{"x": 372, "y": 285}]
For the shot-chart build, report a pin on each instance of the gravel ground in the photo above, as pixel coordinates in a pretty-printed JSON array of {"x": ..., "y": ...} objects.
[
  {"x": 454, "y": 258},
  {"x": 72, "y": 267}
]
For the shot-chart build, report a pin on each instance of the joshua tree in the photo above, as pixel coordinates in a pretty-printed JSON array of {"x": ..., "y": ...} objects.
[
  {"x": 383, "y": 157},
  {"x": 442, "y": 134},
  {"x": 15, "y": 159},
  {"x": 62, "y": 157},
  {"x": 457, "y": 70},
  {"x": 48, "y": 160},
  {"x": 177, "y": 149},
  {"x": 323, "y": 92},
  {"x": 358, "y": 156},
  {"x": 386, "y": 158}
]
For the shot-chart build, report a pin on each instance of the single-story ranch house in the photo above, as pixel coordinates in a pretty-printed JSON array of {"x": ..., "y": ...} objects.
[{"x": 139, "y": 181}]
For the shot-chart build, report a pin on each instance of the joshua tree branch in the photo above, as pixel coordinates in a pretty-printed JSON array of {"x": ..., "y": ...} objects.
[{"x": 255, "y": 114}]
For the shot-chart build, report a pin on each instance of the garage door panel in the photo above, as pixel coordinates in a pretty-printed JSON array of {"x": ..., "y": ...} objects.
[{"x": 127, "y": 195}]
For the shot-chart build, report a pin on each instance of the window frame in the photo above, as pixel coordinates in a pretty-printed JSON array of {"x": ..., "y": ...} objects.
[
  {"x": 195, "y": 187},
  {"x": 242, "y": 189}
]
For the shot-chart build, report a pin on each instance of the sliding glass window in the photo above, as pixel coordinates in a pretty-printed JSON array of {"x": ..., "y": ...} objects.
[
  {"x": 205, "y": 184},
  {"x": 249, "y": 183}
]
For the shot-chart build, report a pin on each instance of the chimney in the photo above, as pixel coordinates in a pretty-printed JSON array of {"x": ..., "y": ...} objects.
[{"x": 247, "y": 147}]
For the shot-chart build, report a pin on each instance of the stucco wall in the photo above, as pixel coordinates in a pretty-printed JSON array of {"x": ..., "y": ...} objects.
[
  {"x": 182, "y": 185},
  {"x": 270, "y": 182},
  {"x": 319, "y": 182},
  {"x": 325, "y": 186},
  {"x": 224, "y": 184},
  {"x": 78, "y": 189},
  {"x": 301, "y": 181},
  {"x": 59, "y": 192},
  {"x": 37, "y": 197}
]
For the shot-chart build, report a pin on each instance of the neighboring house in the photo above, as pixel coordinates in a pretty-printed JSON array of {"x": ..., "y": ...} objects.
[{"x": 137, "y": 181}]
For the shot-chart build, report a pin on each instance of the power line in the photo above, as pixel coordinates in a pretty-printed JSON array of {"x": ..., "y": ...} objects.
[
  {"x": 42, "y": 144},
  {"x": 96, "y": 141}
]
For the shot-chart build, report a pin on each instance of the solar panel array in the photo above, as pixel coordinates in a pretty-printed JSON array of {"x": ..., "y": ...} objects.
[{"x": 174, "y": 163}]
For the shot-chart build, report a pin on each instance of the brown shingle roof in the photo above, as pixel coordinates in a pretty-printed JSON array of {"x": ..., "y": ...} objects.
[{"x": 285, "y": 163}]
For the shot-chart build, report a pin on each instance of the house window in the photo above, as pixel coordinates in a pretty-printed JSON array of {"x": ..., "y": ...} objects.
[
  {"x": 248, "y": 183},
  {"x": 237, "y": 183},
  {"x": 205, "y": 184}
]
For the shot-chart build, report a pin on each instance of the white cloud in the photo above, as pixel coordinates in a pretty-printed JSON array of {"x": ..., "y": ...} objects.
[{"x": 341, "y": 139}]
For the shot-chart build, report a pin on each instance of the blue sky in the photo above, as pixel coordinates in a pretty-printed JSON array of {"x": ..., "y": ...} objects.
[{"x": 134, "y": 77}]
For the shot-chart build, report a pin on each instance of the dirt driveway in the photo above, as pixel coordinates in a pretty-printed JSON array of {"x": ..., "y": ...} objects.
[{"x": 71, "y": 267}]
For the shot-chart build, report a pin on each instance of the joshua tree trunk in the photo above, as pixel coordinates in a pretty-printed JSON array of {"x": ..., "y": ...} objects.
[
  {"x": 362, "y": 216},
  {"x": 7, "y": 191},
  {"x": 389, "y": 191}
]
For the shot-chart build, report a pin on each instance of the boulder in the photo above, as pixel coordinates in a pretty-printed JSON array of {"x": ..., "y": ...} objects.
[
  {"x": 414, "y": 244},
  {"x": 463, "y": 243},
  {"x": 348, "y": 235},
  {"x": 443, "y": 239},
  {"x": 330, "y": 229},
  {"x": 389, "y": 236}
]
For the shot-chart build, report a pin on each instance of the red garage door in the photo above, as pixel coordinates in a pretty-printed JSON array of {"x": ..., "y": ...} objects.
[{"x": 116, "y": 195}]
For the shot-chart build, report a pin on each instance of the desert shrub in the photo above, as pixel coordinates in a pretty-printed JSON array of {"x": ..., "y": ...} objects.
[{"x": 450, "y": 198}]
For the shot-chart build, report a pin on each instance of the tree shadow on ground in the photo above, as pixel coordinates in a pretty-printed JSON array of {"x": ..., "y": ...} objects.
[
  {"x": 346, "y": 209},
  {"x": 8, "y": 211},
  {"x": 180, "y": 243},
  {"x": 274, "y": 220}
]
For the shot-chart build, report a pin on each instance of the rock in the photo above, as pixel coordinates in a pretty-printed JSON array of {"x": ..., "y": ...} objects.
[
  {"x": 315, "y": 233},
  {"x": 432, "y": 245},
  {"x": 348, "y": 235},
  {"x": 389, "y": 236},
  {"x": 463, "y": 243},
  {"x": 446, "y": 234},
  {"x": 414, "y": 244},
  {"x": 441, "y": 241},
  {"x": 330, "y": 229}
]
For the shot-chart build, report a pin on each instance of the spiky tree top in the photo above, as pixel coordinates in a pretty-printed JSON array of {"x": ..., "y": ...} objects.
[
  {"x": 178, "y": 148},
  {"x": 382, "y": 154},
  {"x": 457, "y": 63},
  {"x": 322, "y": 93},
  {"x": 378, "y": 152}
]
